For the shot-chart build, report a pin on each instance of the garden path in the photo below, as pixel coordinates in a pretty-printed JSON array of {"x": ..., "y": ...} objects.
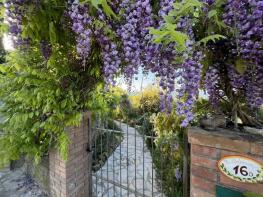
[
  {"x": 17, "y": 184},
  {"x": 128, "y": 168}
]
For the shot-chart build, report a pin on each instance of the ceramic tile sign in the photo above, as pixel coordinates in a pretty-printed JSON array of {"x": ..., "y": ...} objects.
[{"x": 242, "y": 169}]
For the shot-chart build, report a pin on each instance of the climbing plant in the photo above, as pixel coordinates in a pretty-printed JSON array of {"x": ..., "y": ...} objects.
[
  {"x": 44, "y": 85},
  {"x": 2, "y": 30},
  {"x": 222, "y": 54},
  {"x": 74, "y": 45}
]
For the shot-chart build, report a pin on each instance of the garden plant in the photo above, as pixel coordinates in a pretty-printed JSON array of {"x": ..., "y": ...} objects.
[{"x": 64, "y": 50}]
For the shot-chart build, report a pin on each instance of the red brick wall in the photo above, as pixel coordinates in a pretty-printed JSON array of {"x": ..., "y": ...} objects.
[
  {"x": 72, "y": 177},
  {"x": 207, "y": 148}
]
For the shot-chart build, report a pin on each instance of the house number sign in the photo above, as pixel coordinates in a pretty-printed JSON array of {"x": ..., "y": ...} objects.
[{"x": 241, "y": 169}]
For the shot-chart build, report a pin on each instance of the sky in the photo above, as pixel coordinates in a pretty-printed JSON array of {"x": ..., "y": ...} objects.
[
  {"x": 7, "y": 43},
  {"x": 139, "y": 82}
]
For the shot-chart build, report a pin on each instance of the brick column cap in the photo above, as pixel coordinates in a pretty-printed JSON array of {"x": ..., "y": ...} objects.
[{"x": 227, "y": 140}]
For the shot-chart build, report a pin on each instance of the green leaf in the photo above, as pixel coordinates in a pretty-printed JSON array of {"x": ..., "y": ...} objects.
[
  {"x": 52, "y": 33},
  {"x": 104, "y": 4},
  {"x": 107, "y": 9},
  {"x": 170, "y": 26},
  {"x": 3, "y": 28},
  {"x": 212, "y": 13},
  {"x": 63, "y": 144},
  {"x": 158, "y": 35},
  {"x": 180, "y": 38},
  {"x": 95, "y": 3},
  {"x": 3, "y": 68},
  {"x": 168, "y": 19},
  {"x": 219, "y": 3},
  {"x": 185, "y": 8},
  {"x": 212, "y": 38},
  {"x": 168, "y": 34},
  {"x": 64, "y": 103},
  {"x": 241, "y": 65}
]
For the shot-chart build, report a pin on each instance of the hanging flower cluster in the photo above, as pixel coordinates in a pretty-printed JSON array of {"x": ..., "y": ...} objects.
[
  {"x": 14, "y": 13},
  {"x": 122, "y": 31}
]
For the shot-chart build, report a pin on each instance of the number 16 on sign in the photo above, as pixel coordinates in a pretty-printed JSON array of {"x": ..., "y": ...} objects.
[{"x": 241, "y": 169}]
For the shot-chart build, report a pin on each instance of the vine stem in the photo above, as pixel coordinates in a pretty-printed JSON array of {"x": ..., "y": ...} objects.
[{"x": 235, "y": 118}]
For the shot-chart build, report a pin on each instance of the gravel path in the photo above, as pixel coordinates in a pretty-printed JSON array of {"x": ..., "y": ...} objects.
[
  {"x": 127, "y": 168},
  {"x": 17, "y": 184}
]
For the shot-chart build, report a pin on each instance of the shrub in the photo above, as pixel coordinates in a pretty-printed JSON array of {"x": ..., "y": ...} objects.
[
  {"x": 39, "y": 99},
  {"x": 147, "y": 101}
]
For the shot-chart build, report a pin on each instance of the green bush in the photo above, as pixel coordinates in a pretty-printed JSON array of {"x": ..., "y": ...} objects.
[
  {"x": 44, "y": 90},
  {"x": 147, "y": 101},
  {"x": 39, "y": 99},
  {"x": 168, "y": 152},
  {"x": 125, "y": 111},
  {"x": 105, "y": 103}
]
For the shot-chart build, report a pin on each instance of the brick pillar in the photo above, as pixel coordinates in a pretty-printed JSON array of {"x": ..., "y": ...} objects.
[
  {"x": 73, "y": 177},
  {"x": 208, "y": 147}
]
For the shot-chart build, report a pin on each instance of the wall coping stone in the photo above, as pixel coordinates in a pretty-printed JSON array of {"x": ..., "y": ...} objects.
[{"x": 227, "y": 140}]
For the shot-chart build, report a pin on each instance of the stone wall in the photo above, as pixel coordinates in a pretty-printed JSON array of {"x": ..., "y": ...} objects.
[
  {"x": 40, "y": 172},
  {"x": 208, "y": 147}
]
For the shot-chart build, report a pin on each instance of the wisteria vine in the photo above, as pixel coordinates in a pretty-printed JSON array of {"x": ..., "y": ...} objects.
[
  {"x": 14, "y": 13},
  {"x": 126, "y": 45},
  {"x": 247, "y": 17}
]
